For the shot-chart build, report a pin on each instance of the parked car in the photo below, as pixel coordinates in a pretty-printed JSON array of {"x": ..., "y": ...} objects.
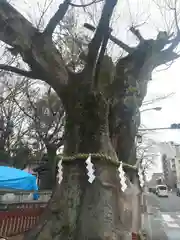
[{"x": 162, "y": 191}]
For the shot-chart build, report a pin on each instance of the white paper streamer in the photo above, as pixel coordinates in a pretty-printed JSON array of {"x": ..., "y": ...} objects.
[
  {"x": 60, "y": 171},
  {"x": 122, "y": 177},
  {"x": 141, "y": 178},
  {"x": 90, "y": 170}
]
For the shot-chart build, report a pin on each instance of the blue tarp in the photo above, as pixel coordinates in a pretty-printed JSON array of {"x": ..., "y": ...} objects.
[{"x": 12, "y": 178}]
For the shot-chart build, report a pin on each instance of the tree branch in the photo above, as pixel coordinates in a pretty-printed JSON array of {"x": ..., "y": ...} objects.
[
  {"x": 137, "y": 33},
  {"x": 59, "y": 142},
  {"x": 176, "y": 17},
  {"x": 85, "y": 5},
  {"x": 58, "y": 127},
  {"x": 113, "y": 39},
  {"x": 58, "y": 16},
  {"x": 121, "y": 44},
  {"x": 19, "y": 33},
  {"x": 13, "y": 23},
  {"x": 102, "y": 28},
  {"x": 176, "y": 40},
  {"x": 29, "y": 74},
  {"x": 165, "y": 57}
]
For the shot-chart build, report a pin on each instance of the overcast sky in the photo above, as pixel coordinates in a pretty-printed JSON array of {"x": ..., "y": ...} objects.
[{"x": 163, "y": 83}]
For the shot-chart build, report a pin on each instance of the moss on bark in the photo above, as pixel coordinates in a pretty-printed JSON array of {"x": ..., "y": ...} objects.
[{"x": 78, "y": 209}]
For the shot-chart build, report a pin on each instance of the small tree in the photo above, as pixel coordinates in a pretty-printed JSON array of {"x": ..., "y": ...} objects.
[
  {"x": 46, "y": 120},
  {"x": 21, "y": 155},
  {"x": 146, "y": 156},
  {"x": 41, "y": 113},
  {"x": 10, "y": 120}
]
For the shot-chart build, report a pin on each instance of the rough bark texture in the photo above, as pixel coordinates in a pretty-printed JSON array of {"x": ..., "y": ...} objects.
[
  {"x": 80, "y": 210},
  {"x": 51, "y": 153},
  {"x": 87, "y": 129},
  {"x": 133, "y": 73}
]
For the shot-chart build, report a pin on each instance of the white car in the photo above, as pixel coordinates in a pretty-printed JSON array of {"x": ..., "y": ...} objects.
[{"x": 162, "y": 191}]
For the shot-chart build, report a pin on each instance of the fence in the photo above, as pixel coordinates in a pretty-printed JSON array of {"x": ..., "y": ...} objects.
[
  {"x": 21, "y": 214},
  {"x": 23, "y": 196}
]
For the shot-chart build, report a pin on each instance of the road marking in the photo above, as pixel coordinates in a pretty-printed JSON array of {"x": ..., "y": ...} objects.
[
  {"x": 149, "y": 219},
  {"x": 172, "y": 225},
  {"x": 167, "y": 218}
]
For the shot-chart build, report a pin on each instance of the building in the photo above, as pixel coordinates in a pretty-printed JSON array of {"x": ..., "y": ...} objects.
[
  {"x": 177, "y": 163},
  {"x": 174, "y": 170},
  {"x": 169, "y": 170},
  {"x": 170, "y": 157},
  {"x": 157, "y": 178}
]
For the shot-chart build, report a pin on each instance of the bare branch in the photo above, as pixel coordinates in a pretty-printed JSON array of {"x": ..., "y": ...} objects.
[
  {"x": 13, "y": 23},
  {"x": 29, "y": 74},
  {"x": 176, "y": 18},
  {"x": 102, "y": 29},
  {"x": 33, "y": 118},
  {"x": 60, "y": 141},
  {"x": 137, "y": 33},
  {"x": 166, "y": 56},
  {"x": 58, "y": 16},
  {"x": 113, "y": 39},
  {"x": 19, "y": 33},
  {"x": 85, "y": 5},
  {"x": 176, "y": 40},
  {"x": 121, "y": 44}
]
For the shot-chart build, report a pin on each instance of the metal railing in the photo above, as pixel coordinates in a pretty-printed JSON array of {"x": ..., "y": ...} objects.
[{"x": 10, "y": 196}]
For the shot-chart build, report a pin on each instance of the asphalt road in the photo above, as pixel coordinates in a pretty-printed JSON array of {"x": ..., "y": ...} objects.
[
  {"x": 163, "y": 220},
  {"x": 170, "y": 204}
]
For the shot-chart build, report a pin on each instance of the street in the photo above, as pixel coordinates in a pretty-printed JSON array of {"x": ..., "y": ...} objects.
[{"x": 163, "y": 219}]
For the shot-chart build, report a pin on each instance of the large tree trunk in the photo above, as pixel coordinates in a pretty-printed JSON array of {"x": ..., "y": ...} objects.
[
  {"x": 51, "y": 152},
  {"x": 78, "y": 209}
]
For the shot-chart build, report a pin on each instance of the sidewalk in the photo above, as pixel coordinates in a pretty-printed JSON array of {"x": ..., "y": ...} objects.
[
  {"x": 153, "y": 228},
  {"x": 152, "y": 222}
]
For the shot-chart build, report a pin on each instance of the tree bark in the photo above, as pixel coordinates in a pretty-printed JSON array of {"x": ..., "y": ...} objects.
[
  {"x": 48, "y": 171},
  {"x": 51, "y": 152},
  {"x": 78, "y": 209}
]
